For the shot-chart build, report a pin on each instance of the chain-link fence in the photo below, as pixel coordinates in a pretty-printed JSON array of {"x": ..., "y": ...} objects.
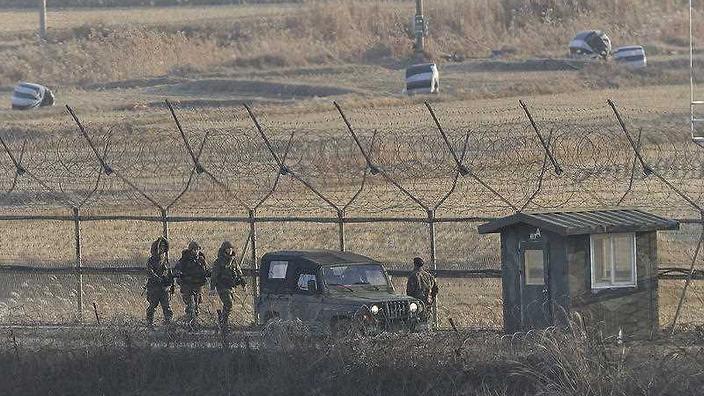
[{"x": 80, "y": 206}]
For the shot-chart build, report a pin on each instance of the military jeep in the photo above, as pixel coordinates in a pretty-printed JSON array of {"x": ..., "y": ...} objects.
[{"x": 339, "y": 290}]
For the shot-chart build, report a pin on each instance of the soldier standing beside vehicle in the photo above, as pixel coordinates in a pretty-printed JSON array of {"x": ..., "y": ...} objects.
[
  {"x": 192, "y": 274},
  {"x": 159, "y": 280},
  {"x": 422, "y": 285},
  {"x": 226, "y": 275}
]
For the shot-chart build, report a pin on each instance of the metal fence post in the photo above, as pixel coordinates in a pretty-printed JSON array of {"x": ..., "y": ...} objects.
[
  {"x": 79, "y": 274},
  {"x": 341, "y": 224},
  {"x": 255, "y": 264},
  {"x": 165, "y": 227},
  {"x": 433, "y": 261}
]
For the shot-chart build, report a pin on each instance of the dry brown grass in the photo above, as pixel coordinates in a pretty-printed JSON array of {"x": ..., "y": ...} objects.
[
  {"x": 289, "y": 359},
  {"x": 62, "y": 19},
  {"x": 106, "y": 45}
]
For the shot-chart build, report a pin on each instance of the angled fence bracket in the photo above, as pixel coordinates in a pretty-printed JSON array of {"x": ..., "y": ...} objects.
[
  {"x": 464, "y": 171},
  {"x": 460, "y": 166},
  {"x": 543, "y": 142},
  {"x": 647, "y": 170},
  {"x": 106, "y": 168},
  {"x": 19, "y": 170},
  {"x": 199, "y": 168}
]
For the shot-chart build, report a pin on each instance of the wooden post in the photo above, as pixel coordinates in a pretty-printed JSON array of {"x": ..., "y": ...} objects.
[
  {"x": 255, "y": 264},
  {"x": 42, "y": 19},
  {"x": 433, "y": 261},
  {"x": 79, "y": 274}
]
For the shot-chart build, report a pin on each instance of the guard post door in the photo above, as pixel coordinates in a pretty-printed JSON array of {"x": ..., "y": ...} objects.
[{"x": 536, "y": 302}]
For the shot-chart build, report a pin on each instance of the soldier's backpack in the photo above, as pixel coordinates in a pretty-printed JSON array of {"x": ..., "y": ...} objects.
[
  {"x": 230, "y": 278},
  {"x": 227, "y": 279},
  {"x": 193, "y": 271}
]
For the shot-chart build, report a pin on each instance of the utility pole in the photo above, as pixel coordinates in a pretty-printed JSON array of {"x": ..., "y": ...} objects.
[
  {"x": 42, "y": 19},
  {"x": 419, "y": 27}
]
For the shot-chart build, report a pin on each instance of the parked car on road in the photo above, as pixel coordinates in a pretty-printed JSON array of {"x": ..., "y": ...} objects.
[
  {"x": 632, "y": 56},
  {"x": 422, "y": 79},
  {"x": 590, "y": 44},
  {"x": 28, "y": 96}
]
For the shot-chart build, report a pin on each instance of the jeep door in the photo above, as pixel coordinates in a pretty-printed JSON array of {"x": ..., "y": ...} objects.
[
  {"x": 275, "y": 298},
  {"x": 306, "y": 303}
]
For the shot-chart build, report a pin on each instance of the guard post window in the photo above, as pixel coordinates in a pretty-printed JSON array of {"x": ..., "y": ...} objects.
[{"x": 613, "y": 258}]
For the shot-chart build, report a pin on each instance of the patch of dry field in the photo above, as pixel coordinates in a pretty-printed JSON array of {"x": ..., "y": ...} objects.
[{"x": 23, "y": 21}]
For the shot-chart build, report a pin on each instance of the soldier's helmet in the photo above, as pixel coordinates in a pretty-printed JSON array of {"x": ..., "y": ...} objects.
[
  {"x": 163, "y": 244},
  {"x": 160, "y": 245},
  {"x": 194, "y": 246},
  {"x": 223, "y": 252},
  {"x": 418, "y": 262}
]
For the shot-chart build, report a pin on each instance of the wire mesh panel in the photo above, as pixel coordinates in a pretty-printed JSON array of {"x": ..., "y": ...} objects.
[
  {"x": 35, "y": 298},
  {"x": 669, "y": 294},
  {"x": 386, "y": 172},
  {"x": 39, "y": 243},
  {"x": 460, "y": 247},
  {"x": 117, "y": 243},
  {"x": 393, "y": 243},
  {"x": 292, "y": 236}
]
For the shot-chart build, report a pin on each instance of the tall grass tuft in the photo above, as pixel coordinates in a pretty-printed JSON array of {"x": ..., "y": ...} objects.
[{"x": 128, "y": 361}]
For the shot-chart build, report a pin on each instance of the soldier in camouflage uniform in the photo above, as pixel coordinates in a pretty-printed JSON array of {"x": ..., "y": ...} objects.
[
  {"x": 226, "y": 275},
  {"x": 192, "y": 273},
  {"x": 159, "y": 280},
  {"x": 422, "y": 285}
]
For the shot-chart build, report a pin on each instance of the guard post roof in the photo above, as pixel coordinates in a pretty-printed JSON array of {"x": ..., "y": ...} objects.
[
  {"x": 319, "y": 257},
  {"x": 585, "y": 222}
]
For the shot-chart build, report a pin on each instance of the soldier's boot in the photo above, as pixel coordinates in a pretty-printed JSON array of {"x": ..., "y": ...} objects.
[
  {"x": 150, "y": 316},
  {"x": 192, "y": 312},
  {"x": 224, "y": 321},
  {"x": 226, "y": 298},
  {"x": 189, "y": 311},
  {"x": 222, "y": 317},
  {"x": 168, "y": 313}
]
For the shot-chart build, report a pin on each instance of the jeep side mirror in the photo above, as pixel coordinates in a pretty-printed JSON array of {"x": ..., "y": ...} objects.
[{"x": 313, "y": 286}]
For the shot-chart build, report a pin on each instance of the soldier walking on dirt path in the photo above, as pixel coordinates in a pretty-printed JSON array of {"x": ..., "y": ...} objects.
[
  {"x": 192, "y": 273},
  {"x": 226, "y": 275},
  {"x": 422, "y": 285},
  {"x": 159, "y": 280}
]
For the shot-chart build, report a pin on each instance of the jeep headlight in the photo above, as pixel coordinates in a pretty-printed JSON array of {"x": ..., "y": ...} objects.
[
  {"x": 413, "y": 307},
  {"x": 374, "y": 309}
]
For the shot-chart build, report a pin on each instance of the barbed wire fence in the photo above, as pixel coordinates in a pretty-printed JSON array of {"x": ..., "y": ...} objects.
[{"x": 80, "y": 207}]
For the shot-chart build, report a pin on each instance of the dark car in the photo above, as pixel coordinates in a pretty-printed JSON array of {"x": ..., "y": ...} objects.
[{"x": 340, "y": 290}]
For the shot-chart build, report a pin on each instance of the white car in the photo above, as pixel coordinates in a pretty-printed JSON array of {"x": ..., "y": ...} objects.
[
  {"x": 422, "y": 79},
  {"x": 632, "y": 56},
  {"x": 590, "y": 44},
  {"x": 28, "y": 96}
]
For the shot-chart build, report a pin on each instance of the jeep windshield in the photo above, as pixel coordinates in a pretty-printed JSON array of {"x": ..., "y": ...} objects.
[{"x": 358, "y": 275}]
